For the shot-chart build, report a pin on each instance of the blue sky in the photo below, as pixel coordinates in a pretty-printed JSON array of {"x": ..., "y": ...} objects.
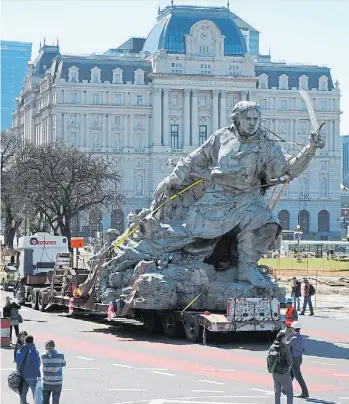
[{"x": 303, "y": 31}]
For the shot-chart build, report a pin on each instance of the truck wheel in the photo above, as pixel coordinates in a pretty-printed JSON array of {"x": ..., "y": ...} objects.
[
  {"x": 192, "y": 328},
  {"x": 151, "y": 321},
  {"x": 169, "y": 324},
  {"x": 41, "y": 300},
  {"x": 34, "y": 299}
]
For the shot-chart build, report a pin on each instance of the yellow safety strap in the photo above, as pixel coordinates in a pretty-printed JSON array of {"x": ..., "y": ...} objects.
[
  {"x": 193, "y": 301},
  {"x": 127, "y": 235}
]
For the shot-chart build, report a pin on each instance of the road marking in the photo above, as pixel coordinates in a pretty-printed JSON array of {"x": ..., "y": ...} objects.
[
  {"x": 67, "y": 389},
  {"x": 344, "y": 398},
  {"x": 220, "y": 370},
  {"x": 324, "y": 363},
  {"x": 200, "y": 402},
  {"x": 122, "y": 366},
  {"x": 155, "y": 369},
  {"x": 84, "y": 359},
  {"x": 127, "y": 390},
  {"x": 83, "y": 368},
  {"x": 340, "y": 375},
  {"x": 162, "y": 373},
  {"x": 264, "y": 391},
  {"x": 207, "y": 391},
  {"x": 210, "y": 381}
]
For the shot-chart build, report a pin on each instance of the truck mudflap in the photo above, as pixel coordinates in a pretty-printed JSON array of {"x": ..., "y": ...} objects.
[{"x": 220, "y": 323}]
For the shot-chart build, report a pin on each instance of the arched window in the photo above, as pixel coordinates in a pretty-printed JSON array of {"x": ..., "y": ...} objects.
[
  {"x": 284, "y": 219},
  {"x": 283, "y": 82},
  {"x": 304, "y": 221},
  {"x": 323, "y": 221},
  {"x": 303, "y": 82}
]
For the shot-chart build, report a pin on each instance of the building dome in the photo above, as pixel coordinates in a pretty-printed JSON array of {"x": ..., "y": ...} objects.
[{"x": 174, "y": 22}]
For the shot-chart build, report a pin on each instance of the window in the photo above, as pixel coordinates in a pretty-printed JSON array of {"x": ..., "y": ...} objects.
[
  {"x": 175, "y": 137},
  {"x": 95, "y": 75},
  {"x": 323, "y": 106},
  {"x": 116, "y": 120},
  {"x": 202, "y": 134},
  {"x": 262, "y": 85},
  {"x": 323, "y": 83},
  {"x": 72, "y": 139},
  {"x": 303, "y": 106},
  {"x": 54, "y": 98},
  {"x": 205, "y": 68},
  {"x": 74, "y": 98},
  {"x": 234, "y": 70},
  {"x": 303, "y": 83},
  {"x": 139, "y": 100},
  {"x": 73, "y": 119},
  {"x": 177, "y": 68},
  {"x": 203, "y": 49},
  {"x": 95, "y": 98},
  {"x": 117, "y": 99},
  {"x": 204, "y": 101},
  {"x": 73, "y": 74},
  {"x": 324, "y": 165},
  {"x": 117, "y": 76},
  {"x": 174, "y": 100},
  {"x": 96, "y": 140},
  {"x": 284, "y": 105},
  {"x": 138, "y": 142},
  {"x": 263, "y": 103},
  {"x": 324, "y": 187},
  {"x": 283, "y": 82},
  {"x": 323, "y": 221},
  {"x": 139, "y": 76}
]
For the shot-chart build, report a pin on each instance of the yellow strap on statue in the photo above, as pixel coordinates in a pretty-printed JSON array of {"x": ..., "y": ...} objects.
[{"x": 126, "y": 236}]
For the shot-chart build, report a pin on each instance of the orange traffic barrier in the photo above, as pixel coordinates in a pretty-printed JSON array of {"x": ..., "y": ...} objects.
[{"x": 5, "y": 332}]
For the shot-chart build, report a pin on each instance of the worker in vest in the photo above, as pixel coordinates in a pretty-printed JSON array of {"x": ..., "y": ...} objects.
[{"x": 291, "y": 316}]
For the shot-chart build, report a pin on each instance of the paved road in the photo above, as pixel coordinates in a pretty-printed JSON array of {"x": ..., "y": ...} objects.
[{"x": 115, "y": 364}]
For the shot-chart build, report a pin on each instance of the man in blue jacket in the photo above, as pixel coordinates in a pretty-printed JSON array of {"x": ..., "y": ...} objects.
[{"x": 28, "y": 363}]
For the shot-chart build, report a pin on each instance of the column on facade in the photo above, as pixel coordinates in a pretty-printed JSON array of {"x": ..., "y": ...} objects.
[
  {"x": 147, "y": 140},
  {"x": 80, "y": 140},
  {"x": 131, "y": 137},
  {"x": 126, "y": 131},
  {"x": 214, "y": 110},
  {"x": 105, "y": 130},
  {"x": 336, "y": 133},
  {"x": 110, "y": 142},
  {"x": 49, "y": 129},
  {"x": 63, "y": 135},
  {"x": 166, "y": 117},
  {"x": 186, "y": 118},
  {"x": 223, "y": 109},
  {"x": 194, "y": 118},
  {"x": 157, "y": 113}
]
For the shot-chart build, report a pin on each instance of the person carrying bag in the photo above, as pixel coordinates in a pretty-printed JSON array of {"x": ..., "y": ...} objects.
[{"x": 15, "y": 378}]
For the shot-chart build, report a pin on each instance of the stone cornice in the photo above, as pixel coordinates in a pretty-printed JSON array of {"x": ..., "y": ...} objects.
[{"x": 198, "y": 77}]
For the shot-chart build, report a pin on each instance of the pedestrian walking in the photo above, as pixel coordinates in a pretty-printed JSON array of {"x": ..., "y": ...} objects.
[
  {"x": 28, "y": 360},
  {"x": 308, "y": 292},
  {"x": 291, "y": 316},
  {"x": 10, "y": 310},
  {"x": 20, "y": 342},
  {"x": 279, "y": 362},
  {"x": 52, "y": 364},
  {"x": 296, "y": 293},
  {"x": 296, "y": 344}
]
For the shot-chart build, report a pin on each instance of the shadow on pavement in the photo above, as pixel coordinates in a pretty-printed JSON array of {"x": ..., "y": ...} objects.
[
  {"x": 325, "y": 349},
  {"x": 315, "y": 400}
]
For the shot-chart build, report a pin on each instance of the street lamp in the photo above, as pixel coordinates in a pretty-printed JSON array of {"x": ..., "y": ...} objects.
[{"x": 298, "y": 232}]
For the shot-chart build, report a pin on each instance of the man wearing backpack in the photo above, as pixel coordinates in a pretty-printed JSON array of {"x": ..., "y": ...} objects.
[
  {"x": 279, "y": 362},
  {"x": 308, "y": 292}
]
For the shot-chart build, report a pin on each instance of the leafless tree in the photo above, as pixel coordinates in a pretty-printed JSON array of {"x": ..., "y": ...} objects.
[{"x": 58, "y": 182}]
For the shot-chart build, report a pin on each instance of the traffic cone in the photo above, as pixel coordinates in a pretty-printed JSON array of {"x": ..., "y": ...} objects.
[
  {"x": 111, "y": 311},
  {"x": 70, "y": 306}
]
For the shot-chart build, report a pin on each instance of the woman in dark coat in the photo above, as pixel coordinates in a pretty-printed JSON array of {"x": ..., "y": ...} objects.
[
  {"x": 20, "y": 342},
  {"x": 10, "y": 310}
]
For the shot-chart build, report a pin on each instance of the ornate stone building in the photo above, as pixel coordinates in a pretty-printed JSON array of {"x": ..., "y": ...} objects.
[{"x": 160, "y": 98}]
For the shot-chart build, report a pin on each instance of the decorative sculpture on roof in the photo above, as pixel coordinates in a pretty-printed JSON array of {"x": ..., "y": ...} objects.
[{"x": 223, "y": 221}]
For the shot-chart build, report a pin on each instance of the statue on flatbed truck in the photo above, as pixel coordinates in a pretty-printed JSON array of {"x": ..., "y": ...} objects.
[{"x": 223, "y": 221}]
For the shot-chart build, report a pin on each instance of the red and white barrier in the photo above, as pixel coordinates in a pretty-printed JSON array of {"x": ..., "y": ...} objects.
[
  {"x": 71, "y": 306},
  {"x": 5, "y": 332}
]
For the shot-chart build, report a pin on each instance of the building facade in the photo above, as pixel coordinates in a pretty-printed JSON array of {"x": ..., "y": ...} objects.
[
  {"x": 14, "y": 63},
  {"x": 145, "y": 110},
  {"x": 345, "y": 159}
]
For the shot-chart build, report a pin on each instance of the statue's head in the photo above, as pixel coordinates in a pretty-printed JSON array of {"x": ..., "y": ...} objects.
[{"x": 246, "y": 117}]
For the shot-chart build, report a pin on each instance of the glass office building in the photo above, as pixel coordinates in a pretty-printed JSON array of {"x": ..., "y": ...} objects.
[{"x": 14, "y": 64}]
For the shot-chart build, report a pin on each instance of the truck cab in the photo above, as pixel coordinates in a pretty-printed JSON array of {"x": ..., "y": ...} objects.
[{"x": 36, "y": 256}]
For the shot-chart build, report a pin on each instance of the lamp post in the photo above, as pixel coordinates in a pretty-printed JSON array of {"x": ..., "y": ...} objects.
[{"x": 298, "y": 232}]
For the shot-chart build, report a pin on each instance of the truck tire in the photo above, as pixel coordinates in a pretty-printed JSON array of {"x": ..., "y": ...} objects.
[
  {"x": 34, "y": 299},
  {"x": 151, "y": 321},
  {"x": 169, "y": 324},
  {"x": 42, "y": 300},
  {"x": 192, "y": 328}
]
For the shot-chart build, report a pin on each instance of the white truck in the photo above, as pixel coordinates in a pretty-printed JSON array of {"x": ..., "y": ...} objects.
[{"x": 37, "y": 256}]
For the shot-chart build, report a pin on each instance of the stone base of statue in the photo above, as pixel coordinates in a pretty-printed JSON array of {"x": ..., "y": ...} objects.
[{"x": 174, "y": 286}]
